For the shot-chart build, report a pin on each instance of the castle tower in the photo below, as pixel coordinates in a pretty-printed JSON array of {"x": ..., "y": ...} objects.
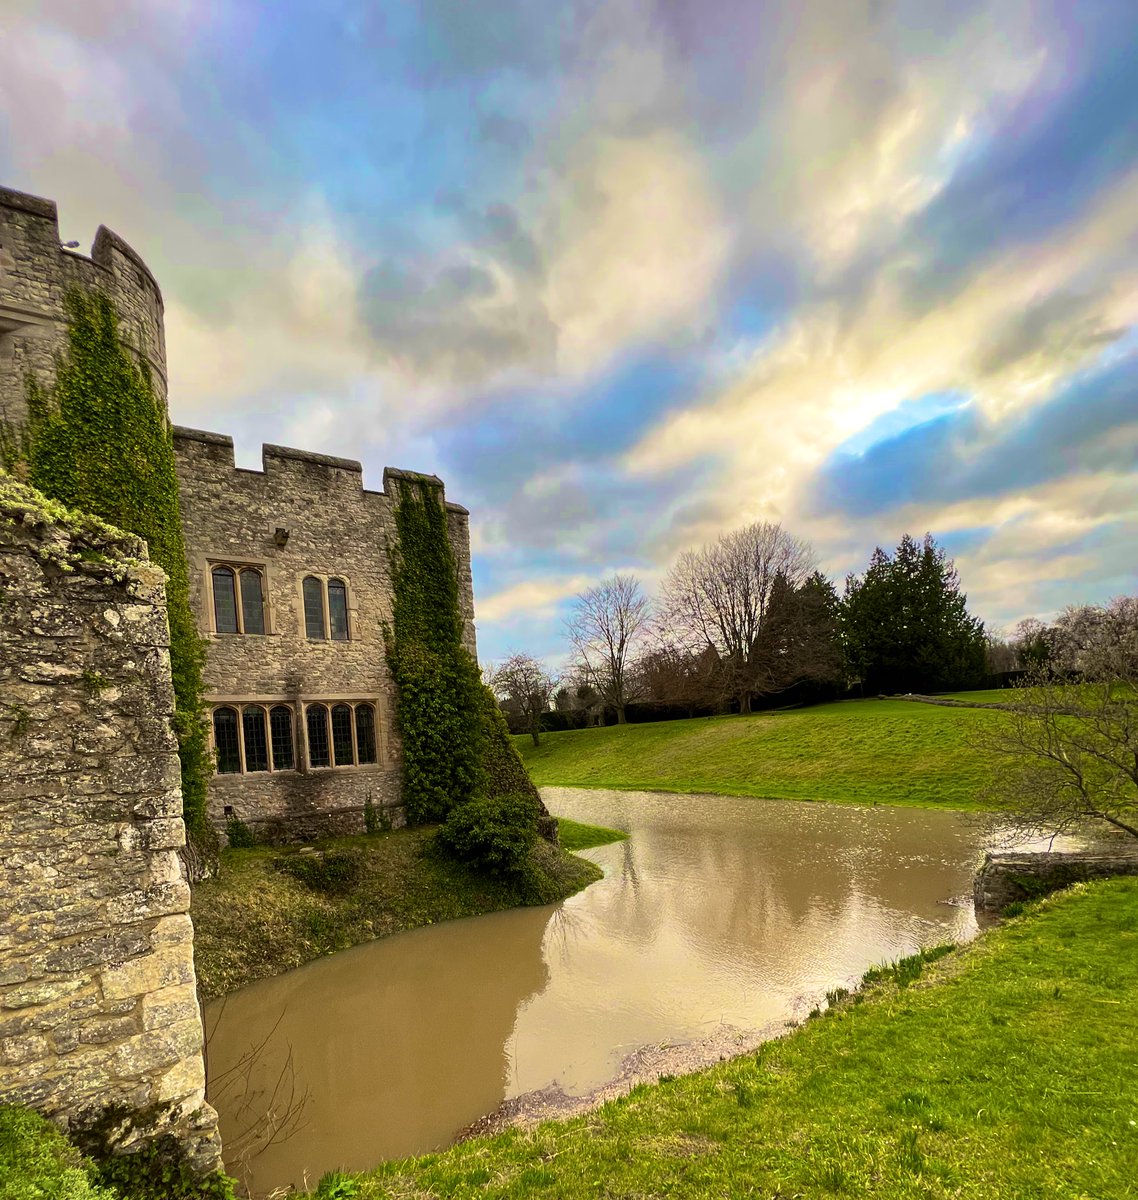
[{"x": 35, "y": 274}]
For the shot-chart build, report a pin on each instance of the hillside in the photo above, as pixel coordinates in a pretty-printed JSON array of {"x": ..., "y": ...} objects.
[{"x": 856, "y": 751}]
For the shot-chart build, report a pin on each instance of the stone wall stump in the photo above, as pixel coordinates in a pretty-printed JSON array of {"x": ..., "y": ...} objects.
[{"x": 98, "y": 998}]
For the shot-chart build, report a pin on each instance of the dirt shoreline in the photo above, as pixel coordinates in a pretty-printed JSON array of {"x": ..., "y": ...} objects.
[{"x": 646, "y": 1065}]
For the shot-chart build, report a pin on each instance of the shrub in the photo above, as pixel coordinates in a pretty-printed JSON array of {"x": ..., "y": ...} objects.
[
  {"x": 156, "y": 1170},
  {"x": 376, "y": 820},
  {"x": 159, "y": 1171},
  {"x": 335, "y": 873},
  {"x": 493, "y": 834},
  {"x": 239, "y": 834},
  {"x": 37, "y": 1161}
]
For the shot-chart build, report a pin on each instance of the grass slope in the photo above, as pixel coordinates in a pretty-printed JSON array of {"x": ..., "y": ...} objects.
[
  {"x": 255, "y": 920},
  {"x": 864, "y": 751},
  {"x": 575, "y": 835},
  {"x": 1009, "y": 1074}
]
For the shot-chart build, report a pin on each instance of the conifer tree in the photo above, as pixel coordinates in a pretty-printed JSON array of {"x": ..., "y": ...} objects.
[{"x": 906, "y": 624}]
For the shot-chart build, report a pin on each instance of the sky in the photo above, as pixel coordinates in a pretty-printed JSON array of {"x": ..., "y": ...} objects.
[{"x": 629, "y": 274}]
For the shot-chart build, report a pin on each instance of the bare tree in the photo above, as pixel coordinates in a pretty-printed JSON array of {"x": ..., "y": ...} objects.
[
  {"x": 724, "y": 596},
  {"x": 606, "y": 629},
  {"x": 1068, "y": 750},
  {"x": 672, "y": 674},
  {"x": 524, "y": 682},
  {"x": 1000, "y": 652}
]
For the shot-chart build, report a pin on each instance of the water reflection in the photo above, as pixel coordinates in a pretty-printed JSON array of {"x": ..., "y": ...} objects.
[
  {"x": 397, "y": 1044},
  {"x": 718, "y": 910}
]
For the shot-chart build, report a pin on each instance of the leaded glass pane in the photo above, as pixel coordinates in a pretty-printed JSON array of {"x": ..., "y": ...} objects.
[
  {"x": 313, "y": 607},
  {"x": 252, "y": 602},
  {"x": 365, "y": 733},
  {"x": 225, "y": 741},
  {"x": 338, "y": 609},
  {"x": 316, "y": 718},
  {"x": 342, "y": 735},
  {"x": 256, "y": 745},
  {"x": 224, "y": 601},
  {"x": 280, "y": 728}
]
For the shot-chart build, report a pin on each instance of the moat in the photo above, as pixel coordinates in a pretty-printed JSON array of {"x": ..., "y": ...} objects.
[{"x": 720, "y": 917}]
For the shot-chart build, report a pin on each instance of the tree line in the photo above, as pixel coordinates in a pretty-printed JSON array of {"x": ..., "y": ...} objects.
[{"x": 749, "y": 619}]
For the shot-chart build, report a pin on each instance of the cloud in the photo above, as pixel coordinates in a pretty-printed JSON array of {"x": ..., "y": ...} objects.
[
  {"x": 640, "y": 245},
  {"x": 533, "y": 597},
  {"x": 631, "y": 273},
  {"x": 830, "y": 370},
  {"x": 1089, "y": 427}
]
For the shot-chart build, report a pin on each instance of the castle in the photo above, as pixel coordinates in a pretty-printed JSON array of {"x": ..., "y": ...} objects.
[{"x": 289, "y": 572}]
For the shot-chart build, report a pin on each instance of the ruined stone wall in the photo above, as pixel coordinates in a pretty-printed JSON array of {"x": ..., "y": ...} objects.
[
  {"x": 1007, "y": 876},
  {"x": 335, "y": 529},
  {"x": 98, "y": 999},
  {"x": 35, "y": 273}
]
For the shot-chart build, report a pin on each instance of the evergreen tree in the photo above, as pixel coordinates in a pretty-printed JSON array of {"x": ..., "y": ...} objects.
[{"x": 906, "y": 624}]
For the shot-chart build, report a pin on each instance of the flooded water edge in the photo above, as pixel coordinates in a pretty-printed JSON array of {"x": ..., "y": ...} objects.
[{"x": 718, "y": 920}]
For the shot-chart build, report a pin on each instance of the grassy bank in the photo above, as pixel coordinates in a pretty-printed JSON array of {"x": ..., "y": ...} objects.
[
  {"x": 257, "y": 919},
  {"x": 575, "y": 835},
  {"x": 862, "y": 751},
  {"x": 1005, "y": 1070}
]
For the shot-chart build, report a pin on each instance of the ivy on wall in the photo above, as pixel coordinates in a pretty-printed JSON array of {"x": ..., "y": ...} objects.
[
  {"x": 455, "y": 742},
  {"x": 98, "y": 440},
  {"x": 439, "y": 700}
]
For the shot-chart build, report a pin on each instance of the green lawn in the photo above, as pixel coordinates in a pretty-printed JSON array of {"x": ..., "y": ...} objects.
[
  {"x": 863, "y": 751},
  {"x": 1006, "y": 1070},
  {"x": 575, "y": 835},
  {"x": 986, "y": 696}
]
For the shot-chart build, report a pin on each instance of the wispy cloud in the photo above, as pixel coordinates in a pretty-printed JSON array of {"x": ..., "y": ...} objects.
[{"x": 631, "y": 273}]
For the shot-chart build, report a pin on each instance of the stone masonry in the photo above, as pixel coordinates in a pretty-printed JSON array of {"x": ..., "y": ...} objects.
[
  {"x": 35, "y": 273},
  {"x": 98, "y": 999},
  {"x": 303, "y": 515},
  {"x": 334, "y": 529},
  {"x": 1007, "y": 876}
]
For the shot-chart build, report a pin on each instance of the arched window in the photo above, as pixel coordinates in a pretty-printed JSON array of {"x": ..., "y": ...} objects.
[
  {"x": 314, "y": 608},
  {"x": 280, "y": 727},
  {"x": 252, "y": 602},
  {"x": 365, "y": 734},
  {"x": 316, "y": 723},
  {"x": 338, "y": 609},
  {"x": 256, "y": 744},
  {"x": 225, "y": 741},
  {"x": 224, "y": 600},
  {"x": 229, "y": 584},
  {"x": 342, "y": 735}
]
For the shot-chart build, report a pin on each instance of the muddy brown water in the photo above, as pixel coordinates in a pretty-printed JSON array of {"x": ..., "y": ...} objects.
[{"x": 720, "y": 915}]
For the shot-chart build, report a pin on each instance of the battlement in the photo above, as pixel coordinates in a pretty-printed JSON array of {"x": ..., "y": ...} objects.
[
  {"x": 37, "y": 206},
  {"x": 36, "y": 272},
  {"x": 304, "y": 466}
]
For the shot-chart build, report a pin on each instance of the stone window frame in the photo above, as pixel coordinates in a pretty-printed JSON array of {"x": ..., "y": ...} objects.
[
  {"x": 298, "y": 705},
  {"x": 351, "y": 610},
  {"x": 209, "y": 618},
  {"x": 352, "y": 702},
  {"x": 240, "y": 707}
]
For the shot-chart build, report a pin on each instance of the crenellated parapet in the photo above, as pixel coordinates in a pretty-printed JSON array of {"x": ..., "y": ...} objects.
[
  {"x": 36, "y": 271},
  {"x": 329, "y": 491}
]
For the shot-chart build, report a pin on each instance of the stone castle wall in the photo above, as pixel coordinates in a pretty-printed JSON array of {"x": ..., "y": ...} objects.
[
  {"x": 35, "y": 274},
  {"x": 335, "y": 529},
  {"x": 98, "y": 999}
]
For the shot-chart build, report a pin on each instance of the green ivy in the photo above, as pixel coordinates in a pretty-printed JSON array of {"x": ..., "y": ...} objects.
[
  {"x": 98, "y": 440},
  {"x": 456, "y": 747},
  {"x": 438, "y": 685}
]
